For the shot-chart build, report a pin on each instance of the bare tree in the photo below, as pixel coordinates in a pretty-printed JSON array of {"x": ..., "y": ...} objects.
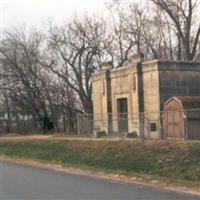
[
  {"x": 182, "y": 13},
  {"x": 158, "y": 37},
  {"x": 120, "y": 43},
  {"x": 77, "y": 50},
  {"x": 25, "y": 83},
  {"x": 136, "y": 31}
]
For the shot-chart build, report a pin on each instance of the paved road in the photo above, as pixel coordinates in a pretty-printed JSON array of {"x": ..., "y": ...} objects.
[{"x": 27, "y": 183}]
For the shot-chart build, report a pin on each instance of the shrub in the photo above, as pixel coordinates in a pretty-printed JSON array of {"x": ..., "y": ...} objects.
[
  {"x": 132, "y": 135},
  {"x": 100, "y": 134}
]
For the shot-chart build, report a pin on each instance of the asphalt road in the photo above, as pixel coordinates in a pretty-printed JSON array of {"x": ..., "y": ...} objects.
[{"x": 27, "y": 183}]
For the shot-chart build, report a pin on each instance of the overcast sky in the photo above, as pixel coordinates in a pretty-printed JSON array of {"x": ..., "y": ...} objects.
[{"x": 34, "y": 13}]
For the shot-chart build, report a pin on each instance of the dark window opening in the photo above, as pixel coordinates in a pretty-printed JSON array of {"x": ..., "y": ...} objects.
[
  {"x": 134, "y": 82},
  {"x": 153, "y": 127},
  {"x": 104, "y": 88},
  {"x": 122, "y": 109}
]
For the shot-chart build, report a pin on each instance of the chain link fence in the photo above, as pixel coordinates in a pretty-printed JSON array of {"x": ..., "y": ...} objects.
[
  {"x": 120, "y": 125},
  {"x": 42, "y": 126},
  {"x": 20, "y": 126},
  {"x": 169, "y": 124}
]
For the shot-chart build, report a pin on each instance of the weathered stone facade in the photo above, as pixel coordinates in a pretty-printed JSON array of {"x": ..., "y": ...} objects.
[{"x": 145, "y": 86}]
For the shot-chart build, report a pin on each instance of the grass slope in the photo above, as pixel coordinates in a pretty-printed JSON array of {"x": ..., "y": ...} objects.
[{"x": 178, "y": 162}]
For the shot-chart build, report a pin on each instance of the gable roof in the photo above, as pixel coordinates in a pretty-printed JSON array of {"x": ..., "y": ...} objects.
[{"x": 188, "y": 102}]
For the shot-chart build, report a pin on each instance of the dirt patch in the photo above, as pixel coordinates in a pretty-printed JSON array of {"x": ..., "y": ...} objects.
[
  {"x": 21, "y": 137},
  {"x": 54, "y": 137}
]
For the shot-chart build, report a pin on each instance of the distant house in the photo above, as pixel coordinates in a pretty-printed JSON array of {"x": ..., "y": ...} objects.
[{"x": 132, "y": 96}]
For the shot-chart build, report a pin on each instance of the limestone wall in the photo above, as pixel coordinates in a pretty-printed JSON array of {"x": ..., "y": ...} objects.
[
  {"x": 151, "y": 95},
  {"x": 146, "y": 87},
  {"x": 124, "y": 85},
  {"x": 100, "y": 101},
  {"x": 178, "y": 79}
]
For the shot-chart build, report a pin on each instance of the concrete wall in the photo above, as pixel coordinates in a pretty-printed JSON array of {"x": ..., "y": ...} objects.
[
  {"x": 146, "y": 86},
  {"x": 124, "y": 85},
  {"x": 178, "y": 79},
  {"x": 164, "y": 79},
  {"x": 108, "y": 87},
  {"x": 100, "y": 100},
  {"x": 151, "y": 95}
]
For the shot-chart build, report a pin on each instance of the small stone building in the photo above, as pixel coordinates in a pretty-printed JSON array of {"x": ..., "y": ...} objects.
[
  {"x": 130, "y": 98},
  {"x": 181, "y": 118}
]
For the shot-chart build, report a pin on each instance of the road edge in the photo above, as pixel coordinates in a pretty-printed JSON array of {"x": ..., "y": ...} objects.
[{"x": 102, "y": 175}]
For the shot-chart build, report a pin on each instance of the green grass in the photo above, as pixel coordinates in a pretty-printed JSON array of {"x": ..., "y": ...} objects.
[{"x": 176, "y": 162}]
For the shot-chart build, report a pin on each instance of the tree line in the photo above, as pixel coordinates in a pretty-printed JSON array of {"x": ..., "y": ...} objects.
[{"x": 49, "y": 73}]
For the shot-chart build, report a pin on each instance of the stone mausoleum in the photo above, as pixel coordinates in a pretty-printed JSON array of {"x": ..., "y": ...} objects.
[{"x": 130, "y": 98}]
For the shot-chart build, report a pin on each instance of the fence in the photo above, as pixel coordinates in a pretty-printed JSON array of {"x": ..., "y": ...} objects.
[
  {"x": 113, "y": 124},
  {"x": 30, "y": 126},
  {"x": 171, "y": 123},
  {"x": 20, "y": 126},
  {"x": 176, "y": 123}
]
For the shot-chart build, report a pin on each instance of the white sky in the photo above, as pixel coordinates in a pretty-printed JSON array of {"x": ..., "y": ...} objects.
[{"x": 35, "y": 13}]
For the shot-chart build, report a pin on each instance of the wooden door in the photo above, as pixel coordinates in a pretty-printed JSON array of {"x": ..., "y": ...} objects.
[{"x": 174, "y": 124}]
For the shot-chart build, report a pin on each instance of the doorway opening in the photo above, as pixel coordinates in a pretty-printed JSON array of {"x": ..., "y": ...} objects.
[{"x": 122, "y": 112}]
